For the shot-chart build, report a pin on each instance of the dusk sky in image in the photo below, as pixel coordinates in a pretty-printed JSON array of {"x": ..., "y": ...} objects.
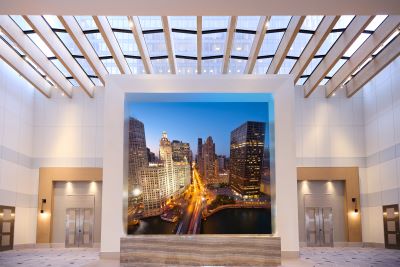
[{"x": 187, "y": 121}]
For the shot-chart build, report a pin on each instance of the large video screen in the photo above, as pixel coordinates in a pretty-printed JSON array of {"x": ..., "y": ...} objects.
[{"x": 198, "y": 167}]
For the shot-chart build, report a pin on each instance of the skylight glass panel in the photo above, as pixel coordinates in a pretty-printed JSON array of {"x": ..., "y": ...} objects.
[
  {"x": 136, "y": 65},
  {"x": 301, "y": 81},
  {"x": 185, "y": 44},
  {"x": 262, "y": 65},
  {"x": 247, "y": 23},
  {"x": 53, "y": 21},
  {"x": 118, "y": 22},
  {"x": 186, "y": 66},
  {"x": 42, "y": 45},
  {"x": 328, "y": 43},
  {"x": 155, "y": 43},
  {"x": 61, "y": 67},
  {"x": 386, "y": 42},
  {"x": 287, "y": 66},
  {"x": 242, "y": 43},
  {"x": 73, "y": 82},
  {"x": 127, "y": 43},
  {"x": 215, "y": 22},
  {"x": 311, "y": 66},
  {"x": 213, "y": 44},
  {"x": 335, "y": 68},
  {"x": 299, "y": 43},
  {"x": 212, "y": 66},
  {"x": 86, "y": 66},
  {"x": 270, "y": 43},
  {"x": 110, "y": 65},
  {"x": 237, "y": 66},
  {"x": 12, "y": 44},
  {"x": 343, "y": 22},
  {"x": 160, "y": 66},
  {"x": 69, "y": 43},
  {"x": 324, "y": 81},
  {"x": 98, "y": 44},
  {"x": 356, "y": 44},
  {"x": 96, "y": 81},
  {"x": 278, "y": 22},
  {"x": 86, "y": 23},
  {"x": 311, "y": 23},
  {"x": 376, "y": 22},
  {"x": 183, "y": 22},
  {"x": 21, "y": 22},
  {"x": 150, "y": 23}
]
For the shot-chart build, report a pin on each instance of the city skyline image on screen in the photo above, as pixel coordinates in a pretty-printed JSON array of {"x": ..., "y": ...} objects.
[{"x": 198, "y": 168}]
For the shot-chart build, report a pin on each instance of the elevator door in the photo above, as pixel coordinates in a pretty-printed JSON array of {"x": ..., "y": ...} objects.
[
  {"x": 319, "y": 227},
  {"x": 391, "y": 226},
  {"x": 7, "y": 215},
  {"x": 79, "y": 227}
]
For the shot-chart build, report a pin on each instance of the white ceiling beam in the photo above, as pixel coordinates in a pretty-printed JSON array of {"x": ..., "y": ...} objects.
[
  {"x": 257, "y": 43},
  {"x": 76, "y": 33},
  {"x": 200, "y": 8},
  {"x": 40, "y": 26},
  {"x": 199, "y": 43},
  {"x": 285, "y": 44},
  {"x": 169, "y": 43},
  {"x": 384, "y": 58},
  {"x": 346, "y": 39},
  {"x": 318, "y": 38},
  {"x": 228, "y": 43},
  {"x": 12, "y": 30},
  {"x": 24, "y": 69},
  {"x": 112, "y": 43},
  {"x": 136, "y": 29},
  {"x": 387, "y": 27}
]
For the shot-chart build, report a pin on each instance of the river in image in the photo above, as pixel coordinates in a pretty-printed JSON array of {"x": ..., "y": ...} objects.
[{"x": 228, "y": 221}]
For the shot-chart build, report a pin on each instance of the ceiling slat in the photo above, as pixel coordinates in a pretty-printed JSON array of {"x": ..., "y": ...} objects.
[
  {"x": 169, "y": 44},
  {"x": 346, "y": 39},
  {"x": 12, "y": 30},
  {"x": 24, "y": 69},
  {"x": 76, "y": 33},
  {"x": 323, "y": 30},
  {"x": 134, "y": 24},
  {"x": 257, "y": 43},
  {"x": 53, "y": 42},
  {"x": 285, "y": 44},
  {"x": 387, "y": 27},
  {"x": 112, "y": 43},
  {"x": 384, "y": 58},
  {"x": 228, "y": 43}
]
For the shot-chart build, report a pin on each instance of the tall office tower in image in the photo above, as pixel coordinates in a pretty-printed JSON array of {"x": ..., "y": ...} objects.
[
  {"x": 138, "y": 156},
  {"x": 199, "y": 161},
  {"x": 209, "y": 159},
  {"x": 246, "y": 158},
  {"x": 180, "y": 151}
]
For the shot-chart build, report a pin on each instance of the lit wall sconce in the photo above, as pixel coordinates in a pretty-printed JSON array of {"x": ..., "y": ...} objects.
[
  {"x": 41, "y": 207},
  {"x": 354, "y": 200}
]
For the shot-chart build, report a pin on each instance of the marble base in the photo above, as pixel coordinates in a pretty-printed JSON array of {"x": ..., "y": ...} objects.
[{"x": 200, "y": 250}]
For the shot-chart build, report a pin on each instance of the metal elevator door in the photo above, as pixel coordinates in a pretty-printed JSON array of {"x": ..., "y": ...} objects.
[
  {"x": 79, "y": 227},
  {"x": 319, "y": 227}
]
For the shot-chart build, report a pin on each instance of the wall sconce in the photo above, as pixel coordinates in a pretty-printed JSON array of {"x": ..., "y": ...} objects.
[
  {"x": 41, "y": 207},
  {"x": 354, "y": 200}
]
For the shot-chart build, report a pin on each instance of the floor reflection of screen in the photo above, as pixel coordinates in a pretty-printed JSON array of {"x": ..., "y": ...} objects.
[{"x": 198, "y": 168}]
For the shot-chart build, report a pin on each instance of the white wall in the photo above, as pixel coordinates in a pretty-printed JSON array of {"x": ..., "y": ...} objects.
[
  {"x": 381, "y": 184},
  {"x": 18, "y": 180}
]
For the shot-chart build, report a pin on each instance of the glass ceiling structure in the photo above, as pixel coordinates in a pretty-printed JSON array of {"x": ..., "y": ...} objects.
[{"x": 184, "y": 35}]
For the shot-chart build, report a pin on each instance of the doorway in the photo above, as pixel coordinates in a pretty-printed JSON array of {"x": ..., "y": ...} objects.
[
  {"x": 391, "y": 226},
  {"x": 319, "y": 227},
  {"x": 79, "y": 227},
  {"x": 7, "y": 215}
]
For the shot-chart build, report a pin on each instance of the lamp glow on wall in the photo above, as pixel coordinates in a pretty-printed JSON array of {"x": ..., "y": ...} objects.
[
  {"x": 41, "y": 207},
  {"x": 354, "y": 200}
]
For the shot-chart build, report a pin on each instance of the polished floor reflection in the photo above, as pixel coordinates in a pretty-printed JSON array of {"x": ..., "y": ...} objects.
[{"x": 325, "y": 257}]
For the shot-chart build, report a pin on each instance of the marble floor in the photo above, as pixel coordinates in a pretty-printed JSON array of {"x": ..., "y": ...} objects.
[{"x": 325, "y": 257}]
